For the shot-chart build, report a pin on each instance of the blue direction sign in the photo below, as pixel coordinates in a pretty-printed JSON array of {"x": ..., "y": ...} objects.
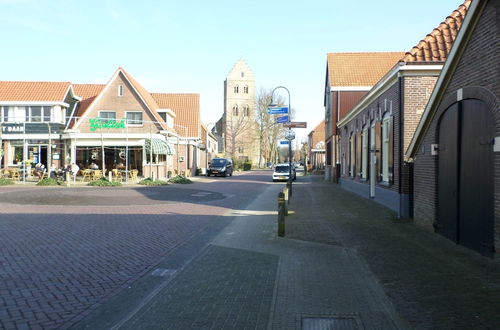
[
  {"x": 277, "y": 111},
  {"x": 282, "y": 119},
  {"x": 284, "y": 142}
]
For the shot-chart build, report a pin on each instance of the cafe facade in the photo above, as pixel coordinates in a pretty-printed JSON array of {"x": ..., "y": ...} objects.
[{"x": 115, "y": 126}]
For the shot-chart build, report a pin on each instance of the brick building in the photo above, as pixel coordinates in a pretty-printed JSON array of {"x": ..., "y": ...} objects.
[
  {"x": 456, "y": 148},
  {"x": 316, "y": 143},
  {"x": 114, "y": 125},
  {"x": 349, "y": 77},
  {"x": 375, "y": 134}
]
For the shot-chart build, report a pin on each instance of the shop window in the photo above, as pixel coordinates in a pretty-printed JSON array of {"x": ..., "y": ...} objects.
[
  {"x": 134, "y": 118},
  {"x": 157, "y": 159},
  {"x": 364, "y": 153},
  {"x": 107, "y": 116}
]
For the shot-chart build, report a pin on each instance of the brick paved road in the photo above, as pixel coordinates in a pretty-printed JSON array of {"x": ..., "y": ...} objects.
[{"x": 59, "y": 262}]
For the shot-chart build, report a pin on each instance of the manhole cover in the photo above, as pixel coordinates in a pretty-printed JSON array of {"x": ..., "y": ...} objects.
[{"x": 346, "y": 322}]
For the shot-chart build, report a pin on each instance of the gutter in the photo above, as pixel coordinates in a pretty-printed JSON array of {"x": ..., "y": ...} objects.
[{"x": 400, "y": 69}]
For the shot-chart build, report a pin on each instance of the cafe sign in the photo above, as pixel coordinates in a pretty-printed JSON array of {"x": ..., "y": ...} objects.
[
  {"x": 96, "y": 123},
  {"x": 13, "y": 129}
]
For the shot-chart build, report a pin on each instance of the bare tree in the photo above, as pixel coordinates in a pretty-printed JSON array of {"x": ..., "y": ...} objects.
[
  {"x": 240, "y": 132},
  {"x": 269, "y": 132}
]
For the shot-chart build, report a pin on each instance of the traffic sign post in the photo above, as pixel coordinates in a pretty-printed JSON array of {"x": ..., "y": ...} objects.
[
  {"x": 277, "y": 110},
  {"x": 282, "y": 119},
  {"x": 296, "y": 124},
  {"x": 289, "y": 135}
]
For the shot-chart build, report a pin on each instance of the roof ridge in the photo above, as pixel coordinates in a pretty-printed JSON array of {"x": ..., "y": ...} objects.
[{"x": 436, "y": 45}]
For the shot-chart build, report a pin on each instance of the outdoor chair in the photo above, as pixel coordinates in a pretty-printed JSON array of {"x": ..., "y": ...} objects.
[
  {"x": 117, "y": 175},
  {"x": 86, "y": 175},
  {"x": 14, "y": 174},
  {"x": 133, "y": 174},
  {"x": 96, "y": 175}
]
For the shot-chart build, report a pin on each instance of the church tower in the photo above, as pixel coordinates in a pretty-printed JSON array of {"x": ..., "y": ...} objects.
[{"x": 241, "y": 138}]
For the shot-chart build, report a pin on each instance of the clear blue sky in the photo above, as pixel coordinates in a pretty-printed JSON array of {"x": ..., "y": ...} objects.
[{"x": 189, "y": 46}]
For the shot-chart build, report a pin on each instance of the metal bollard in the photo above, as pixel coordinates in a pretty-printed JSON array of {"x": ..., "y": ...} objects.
[
  {"x": 281, "y": 214},
  {"x": 287, "y": 201}
]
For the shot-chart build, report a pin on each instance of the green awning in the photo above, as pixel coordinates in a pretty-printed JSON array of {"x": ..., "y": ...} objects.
[{"x": 159, "y": 147}]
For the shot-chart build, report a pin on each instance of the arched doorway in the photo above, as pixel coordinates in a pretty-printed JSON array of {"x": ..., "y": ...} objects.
[{"x": 465, "y": 175}]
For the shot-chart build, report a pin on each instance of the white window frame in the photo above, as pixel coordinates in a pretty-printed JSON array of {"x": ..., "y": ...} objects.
[
  {"x": 120, "y": 90},
  {"x": 364, "y": 153},
  {"x": 386, "y": 122},
  {"x": 352, "y": 155},
  {"x": 236, "y": 89},
  {"x": 99, "y": 114},
  {"x": 245, "y": 89},
  {"x": 134, "y": 125}
]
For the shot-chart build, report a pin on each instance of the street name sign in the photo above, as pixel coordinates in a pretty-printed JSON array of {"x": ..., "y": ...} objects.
[
  {"x": 284, "y": 142},
  {"x": 282, "y": 119},
  {"x": 277, "y": 111},
  {"x": 296, "y": 124}
]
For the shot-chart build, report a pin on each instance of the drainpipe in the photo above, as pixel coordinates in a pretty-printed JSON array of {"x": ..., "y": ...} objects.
[{"x": 401, "y": 142}]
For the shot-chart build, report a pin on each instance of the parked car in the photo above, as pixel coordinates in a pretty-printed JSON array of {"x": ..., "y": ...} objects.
[
  {"x": 220, "y": 166},
  {"x": 282, "y": 172}
]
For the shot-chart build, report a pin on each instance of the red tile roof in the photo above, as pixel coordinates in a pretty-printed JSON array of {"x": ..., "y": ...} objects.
[
  {"x": 187, "y": 111},
  {"x": 436, "y": 46},
  {"x": 88, "y": 92},
  {"x": 32, "y": 91},
  {"x": 360, "y": 69}
]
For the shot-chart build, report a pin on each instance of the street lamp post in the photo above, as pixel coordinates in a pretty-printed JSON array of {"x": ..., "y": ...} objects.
[{"x": 290, "y": 141}]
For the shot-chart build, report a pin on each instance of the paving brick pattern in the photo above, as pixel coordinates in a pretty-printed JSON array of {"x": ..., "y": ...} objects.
[
  {"x": 224, "y": 288},
  {"x": 432, "y": 282},
  {"x": 55, "y": 266}
]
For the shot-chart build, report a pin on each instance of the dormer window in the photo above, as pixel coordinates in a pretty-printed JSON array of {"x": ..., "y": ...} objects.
[{"x": 120, "y": 90}]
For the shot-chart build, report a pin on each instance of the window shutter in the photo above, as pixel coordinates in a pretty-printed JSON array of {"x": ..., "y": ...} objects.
[
  {"x": 358, "y": 154},
  {"x": 390, "y": 133},
  {"x": 378, "y": 152}
]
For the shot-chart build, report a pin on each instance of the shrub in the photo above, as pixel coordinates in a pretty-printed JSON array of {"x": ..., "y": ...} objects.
[
  {"x": 198, "y": 171},
  {"x": 180, "y": 179},
  {"x": 237, "y": 164},
  {"x": 151, "y": 182},
  {"x": 247, "y": 166},
  {"x": 102, "y": 182},
  {"x": 48, "y": 182},
  {"x": 6, "y": 182}
]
